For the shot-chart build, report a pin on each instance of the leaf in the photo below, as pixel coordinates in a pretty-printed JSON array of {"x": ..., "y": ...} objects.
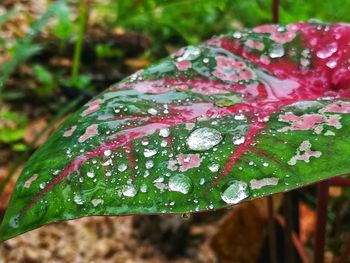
[{"x": 158, "y": 142}]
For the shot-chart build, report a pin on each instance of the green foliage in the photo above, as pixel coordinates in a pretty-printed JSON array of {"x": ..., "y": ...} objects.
[
  {"x": 24, "y": 48},
  {"x": 12, "y": 126},
  {"x": 45, "y": 78}
]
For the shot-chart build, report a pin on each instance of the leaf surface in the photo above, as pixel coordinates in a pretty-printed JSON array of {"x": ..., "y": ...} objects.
[{"x": 239, "y": 117}]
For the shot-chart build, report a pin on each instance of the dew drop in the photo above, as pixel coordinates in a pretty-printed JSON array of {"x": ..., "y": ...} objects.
[
  {"x": 164, "y": 132},
  {"x": 149, "y": 164},
  {"x": 129, "y": 190},
  {"x": 331, "y": 64},
  {"x": 276, "y": 51},
  {"x": 97, "y": 201},
  {"x": 235, "y": 192},
  {"x": 327, "y": 51},
  {"x": 90, "y": 174},
  {"x": 163, "y": 143},
  {"x": 203, "y": 139},
  {"x": 237, "y": 35},
  {"x": 145, "y": 142},
  {"x": 237, "y": 140},
  {"x": 186, "y": 216},
  {"x": 214, "y": 167},
  {"x": 122, "y": 167},
  {"x": 143, "y": 188},
  {"x": 78, "y": 200},
  {"x": 14, "y": 221},
  {"x": 107, "y": 153},
  {"x": 152, "y": 111},
  {"x": 180, "y": 183},
  {"x": 190, "y": 53},
  {"x": 149, "y": 152}
]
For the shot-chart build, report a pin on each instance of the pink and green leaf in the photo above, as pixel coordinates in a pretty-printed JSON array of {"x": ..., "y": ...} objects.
[{"x": 239, "y": 117}]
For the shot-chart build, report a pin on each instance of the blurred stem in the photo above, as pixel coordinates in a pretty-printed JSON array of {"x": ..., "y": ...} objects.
[
  {"x": 320, "y": 235},
  {"x": 272, "y": 232},
  {"x": 288, "y": 245},
  {"x": 83, "y": 15},
  {"x": 275, "y": 11},
  {"x": 345, "y": 253},
  {"x": 26, "y": 154}
]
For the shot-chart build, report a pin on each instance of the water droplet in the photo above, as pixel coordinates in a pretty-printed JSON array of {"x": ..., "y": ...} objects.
[
  {"x": 205, "y": 60},
  {"x": 214, "y": 167},
  {"x": 122, "y": 167},
  {"x": 149, "y": 152},
  {"x": 78, "y": 200},
  {"x": 190, "y": 53},
  {"x": 180, "y": 183},
  {"x": 235, "y": 192},
  {"x": 14, "y": 221},
  {"x": 237, "y": 35},
  {"x": 201, "y": 181},
  {"x": 143, "y": 188},
  {"x": 276, "y": 51},
  {"x": 331, "y": 64},
  {"x": 237, "y": 140},
  {"x": 327, "y": 51},
  {"x": 163, "y": 143},
  {"x": 145, "y": 142},
  {"x": 149, "y": 164},
  {"x": 107, "y": 153},
  {"x": 265, "y": 164},
  {"x": 129, "y": 190},
  {"x": 164, "y": 132},
  {"x": 203, "y": 139},
  {"x": 97, "y": 201},
  {"x": 160, "y": 179},
  {"x": 186, "y": 216},
  {"x": 239, "y": 117},
  {"x": 90, "y": 174},
  {"x": 152, "y": 111}
]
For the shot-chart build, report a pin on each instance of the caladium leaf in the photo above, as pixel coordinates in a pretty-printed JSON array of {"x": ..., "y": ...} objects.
[{"x": 239, "y": 117}]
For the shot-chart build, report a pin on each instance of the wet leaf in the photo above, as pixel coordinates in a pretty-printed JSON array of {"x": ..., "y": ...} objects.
[{"x": 158, "y": 142}]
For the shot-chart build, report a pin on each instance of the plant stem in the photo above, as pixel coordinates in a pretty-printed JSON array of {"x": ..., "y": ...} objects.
[
  {"x": 288, "y": 245},
  {"x": 320, "y": 235},
  {"x": 275, "y": 11},
  {"x": 345, "y": 253},
  {"x": 271, "y": 229},
  {"x": 79, "y": 42}
]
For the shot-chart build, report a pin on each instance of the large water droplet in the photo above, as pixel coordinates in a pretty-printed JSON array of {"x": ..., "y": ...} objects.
[
  {"x": 214, "y": 167},
  {"x": 78, "y": 200},
  {"x": 122, "y": 167},
  {"x": 276, "y": 51},
  {"x": 164, "y": 132},
  {"x": 149, "y": 152},
  {"x": 235, "y": 192},
  {"x": 180, "y": 183},
  {"x": 152, "y": 111},
  {"x": 203, "y": 139},
  {"x": 327, "y": 51},
  {"x": 90, "y": 174},
  {"x": 143, "y": 188},
  {"x": 190, "y": 53},
  {"x": 149, "y": 164},
  {"x": 129, "y": 190},
  {"x": 237, "y": 140}
]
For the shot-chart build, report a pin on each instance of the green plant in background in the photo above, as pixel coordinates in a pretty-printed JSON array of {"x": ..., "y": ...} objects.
[{"x": 12, "y": 128}]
